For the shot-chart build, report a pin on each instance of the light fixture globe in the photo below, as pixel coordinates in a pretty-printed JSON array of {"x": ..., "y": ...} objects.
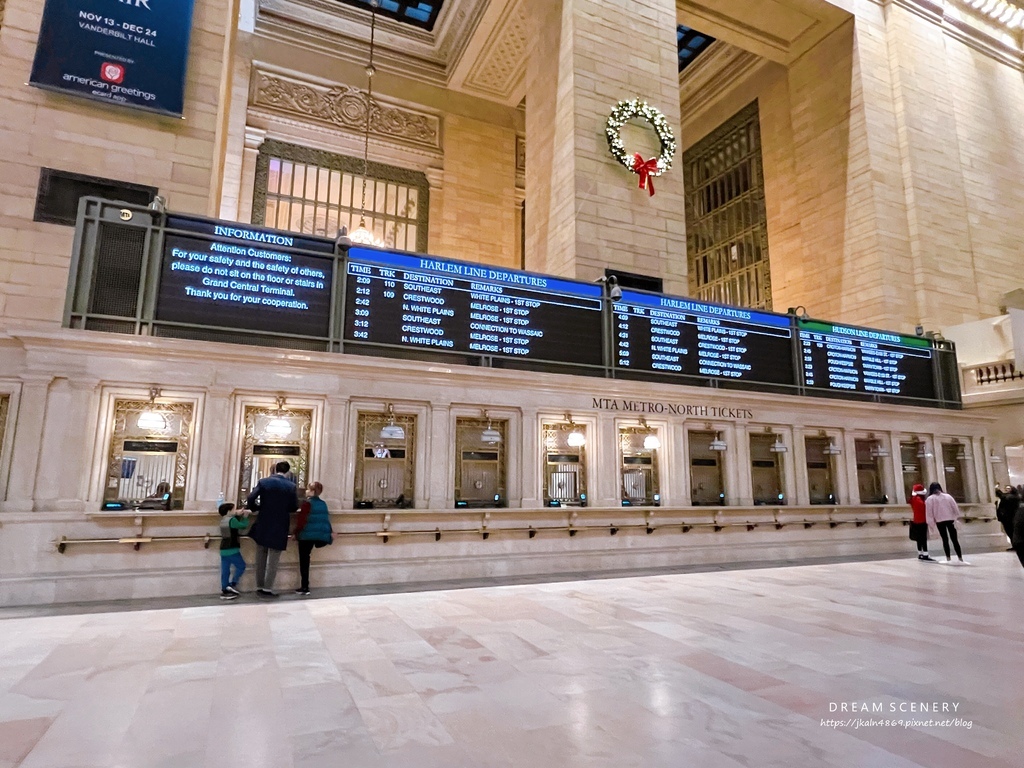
[
  {"x": 392, "y": 432},
  {"x": 152, "y": 421},
  {"x": 576, "y": 439},
  {"x": 490, "y": 436},
  {"x": 651, "y": 442},
  {"x": 278, "y": 428},
  {"x": 718, "y": 444},
  {"x": 778, "y": 446}
]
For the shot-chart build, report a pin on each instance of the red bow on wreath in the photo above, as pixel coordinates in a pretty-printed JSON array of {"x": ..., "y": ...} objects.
[{"x": 648, "y": 170}]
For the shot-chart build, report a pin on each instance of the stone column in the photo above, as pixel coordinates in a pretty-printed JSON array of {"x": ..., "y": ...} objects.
[
  {"x": 584, "y": 212},
  {"x": 435, "y": 225},
  {"x": 27, "y": 443},
  {"x": 254, "y": 138}
]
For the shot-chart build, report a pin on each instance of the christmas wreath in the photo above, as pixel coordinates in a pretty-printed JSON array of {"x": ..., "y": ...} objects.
[{"x": 647, "y": 169}]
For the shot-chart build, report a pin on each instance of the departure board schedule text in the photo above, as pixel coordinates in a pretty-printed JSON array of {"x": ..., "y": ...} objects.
[
  {"x": 859, "y": 360},
  {"x": 674, "y": 335},
  {"x": 420, "y": 302}
]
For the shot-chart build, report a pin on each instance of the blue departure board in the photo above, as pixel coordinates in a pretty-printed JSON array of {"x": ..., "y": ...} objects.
[
  {"x": 421, "y": 302},
  {"x": 672, "y": 335},
  {"x": 847, "y": 359}
]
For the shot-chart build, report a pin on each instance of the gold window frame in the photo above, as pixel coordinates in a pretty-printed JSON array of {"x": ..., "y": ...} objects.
[
  {"x": 125, "y": 427},
  {"x": 468, "y": 431},
  {"x": 368, "y": 427},
  {"x": 556, "y": 435},
  {"x": 255, "y": 420},
  {"x": 631, "y": 444}
]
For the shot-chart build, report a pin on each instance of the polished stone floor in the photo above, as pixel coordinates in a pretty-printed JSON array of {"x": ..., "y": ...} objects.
[{"x": 725, "y": 669}]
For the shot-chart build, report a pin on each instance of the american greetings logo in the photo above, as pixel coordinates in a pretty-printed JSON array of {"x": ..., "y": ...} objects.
[{"x": 112, "y": 73}]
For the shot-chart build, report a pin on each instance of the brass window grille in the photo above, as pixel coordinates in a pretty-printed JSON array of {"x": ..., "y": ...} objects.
[
  {"x": 707, "y": 473},
  {"x": 639, "y": 479},
  {"x": 145, "y": 463},
  {"x": 869, "y": 472},
  {"x": 385, "y": 464},
  {"x": 910, "y": 460},
  {"x": 480, "y": 462},
  {"x": 315, "y": 192},
  {"x": 272, "y": 435},
  {"x": 766, "y": 469},
  {"x": 565, "y": 465},
  {"x": 820, "y": 470},
  {"x": 726, "y": 219}
]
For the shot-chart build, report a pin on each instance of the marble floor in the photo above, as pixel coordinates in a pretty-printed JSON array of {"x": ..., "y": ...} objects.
[{"x": 825, "y": 665}]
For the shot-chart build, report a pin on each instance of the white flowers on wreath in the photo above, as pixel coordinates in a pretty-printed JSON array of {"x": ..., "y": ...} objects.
[{"x": 636, "y": 108}]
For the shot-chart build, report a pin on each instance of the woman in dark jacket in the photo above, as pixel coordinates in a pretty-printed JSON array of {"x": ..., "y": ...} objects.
[
  {"x": 1006, "y": 511},
  {"x": 313, "y": 529}
]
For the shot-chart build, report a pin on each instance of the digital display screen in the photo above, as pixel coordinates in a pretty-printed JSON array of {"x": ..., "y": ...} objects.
[
  {"x": 845, "y": 359},
  {"x": 420, "y": 302},
  {"x": 674, "y": 335},
  {"x": 239, "y": 277}
]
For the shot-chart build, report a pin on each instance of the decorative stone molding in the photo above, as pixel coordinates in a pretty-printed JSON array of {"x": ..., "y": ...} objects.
[
  {"x": 345, "y": 107},
  {"x": 500, "y": 67},
  {"x": 716, "y": 72},
  {"x": 970, "y": 26},
  {"x": 435, "y": 177},
  {"x": 254, "y": 137}
]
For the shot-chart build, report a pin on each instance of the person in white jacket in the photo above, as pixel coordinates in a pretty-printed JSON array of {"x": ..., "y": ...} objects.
[{"x": 942, "y": 512}]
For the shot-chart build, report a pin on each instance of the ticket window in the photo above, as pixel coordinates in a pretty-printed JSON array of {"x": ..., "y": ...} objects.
[
  {"x": 639, "y": 481},
  {"x": 766, "y": 452},
  {"x": 272, "y": 436},
  {"x": 821, "y": 453},
  {"x": 565, "y": 464},
  {"x": 953, "y": 457},
  {"x": 911, "y": 456},
  {"x": 147, "y": 461},
  {"x": 480, "y": 463},
  {"x": 385, "y": 460},
  {"x": 707, "y": 474},
  {"x": 869, "y": 472}
]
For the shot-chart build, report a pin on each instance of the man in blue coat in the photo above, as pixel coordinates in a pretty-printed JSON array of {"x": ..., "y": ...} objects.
[{"x": 274, "y": 498}]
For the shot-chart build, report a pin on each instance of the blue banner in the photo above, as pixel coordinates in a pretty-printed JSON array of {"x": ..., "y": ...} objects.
[{"x": 133, "y": 53}]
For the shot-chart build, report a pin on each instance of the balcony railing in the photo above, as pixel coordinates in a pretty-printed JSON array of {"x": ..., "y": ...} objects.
[{"x": 992, "y": 381}]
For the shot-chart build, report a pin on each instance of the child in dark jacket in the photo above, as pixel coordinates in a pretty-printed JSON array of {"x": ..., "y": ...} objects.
[
  {"x": 312, "y": 529},
  {"x": 231, "y": 558}
]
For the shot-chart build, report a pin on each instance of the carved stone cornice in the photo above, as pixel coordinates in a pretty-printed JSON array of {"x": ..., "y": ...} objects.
[
  {"x": 713, "y": 74},
  {"x": 345, "y": 107},
  {"x": 969, "y": 26}
]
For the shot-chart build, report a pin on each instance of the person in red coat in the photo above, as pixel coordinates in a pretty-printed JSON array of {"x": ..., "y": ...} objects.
[{"x": 919, "y": 523}]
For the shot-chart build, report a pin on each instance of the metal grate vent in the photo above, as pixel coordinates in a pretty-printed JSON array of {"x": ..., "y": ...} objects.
[
  {"x": 59, "y": 192},
  {"x": 119, "y": 255}
]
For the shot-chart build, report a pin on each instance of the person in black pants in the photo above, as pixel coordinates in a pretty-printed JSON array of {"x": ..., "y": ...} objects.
[
  {"x": 1006, "y": 511},
  {"x": 312, "y": 529},
  {"x": 1018, "y": 534}
]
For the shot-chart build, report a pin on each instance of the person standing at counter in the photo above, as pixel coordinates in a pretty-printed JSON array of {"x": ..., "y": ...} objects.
[
  {"x": 312, "y": 529},
  {"x": 275, "y": 497},
  {"x": 942, "y": 511},
  {"x": 919, "y": 523}
]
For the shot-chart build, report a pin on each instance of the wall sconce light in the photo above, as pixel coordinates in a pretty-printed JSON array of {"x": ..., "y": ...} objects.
[
  {"x": 718, "y": 444},
  {"x": 800, "y": 311},
  {"x": 922, "y": 450},
  {"x": 152, "y": 420},
  {"x": 278, "y": 427},
  {"x": 576, "y": 437},
  {"x": 778, "y": 446},
  {"x": 878, "y": 451},
  {"x": 831, "y": 449},
  {"x": 651, "y": 441},
  {"x": 490, "y": 436},
  {"x": 392, "y": 431},
  {"x": 961, "y": 451}
]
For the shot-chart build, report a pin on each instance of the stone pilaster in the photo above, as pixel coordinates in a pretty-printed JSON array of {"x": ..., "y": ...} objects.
[{"x": 584, "y": 212}]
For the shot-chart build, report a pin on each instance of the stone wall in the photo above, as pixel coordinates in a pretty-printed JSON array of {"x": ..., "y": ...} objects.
[{"x": 41, "y": 129}]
